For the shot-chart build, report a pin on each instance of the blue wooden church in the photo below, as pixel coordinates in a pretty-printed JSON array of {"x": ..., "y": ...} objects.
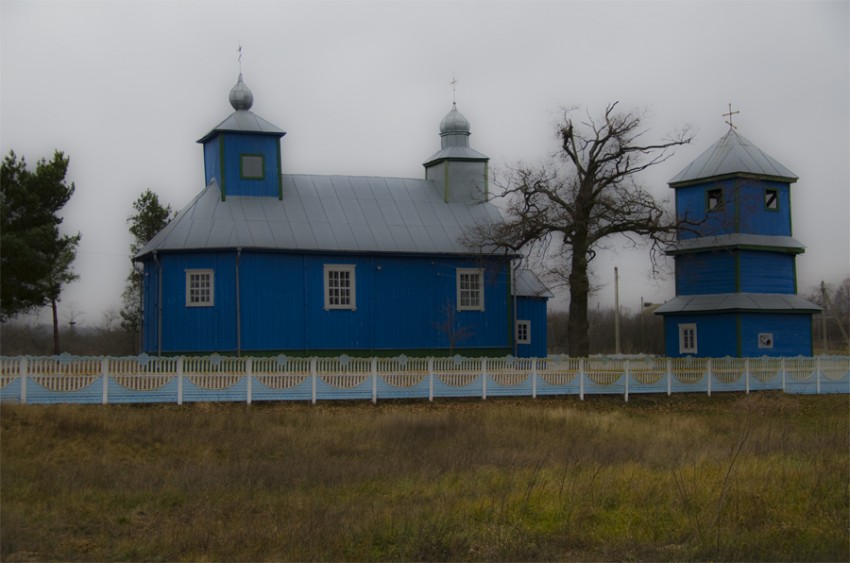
[
  {"x": 736, "y": 281},
  {"x": 264, "y": 262}
]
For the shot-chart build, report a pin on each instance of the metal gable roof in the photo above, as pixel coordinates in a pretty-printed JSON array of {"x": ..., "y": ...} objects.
[
  {"x": 527, "y": 284},
  {"x": 760, "y": 302},
  {"x": 328, "y": 214},
  {"x": 732, "y": 154}
]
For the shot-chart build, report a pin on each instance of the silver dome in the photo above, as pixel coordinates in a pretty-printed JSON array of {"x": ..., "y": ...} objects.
[{"x": 241, "y": 96}]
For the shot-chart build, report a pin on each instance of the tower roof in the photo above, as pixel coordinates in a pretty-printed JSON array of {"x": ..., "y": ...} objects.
[
  {"x": 454, "y": 139},
  {"x": 730, "y": 156},
  {"x": 243, "y": 120}
]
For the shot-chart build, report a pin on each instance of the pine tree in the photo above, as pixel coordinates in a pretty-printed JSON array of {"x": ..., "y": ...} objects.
[
  {"x": 150, "y": 218},
  {"x": 35, "y": 259}
]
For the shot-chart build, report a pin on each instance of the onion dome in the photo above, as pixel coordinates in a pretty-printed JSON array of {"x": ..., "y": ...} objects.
[
  {"x": 241, "y": 96},
  {"x": 454, "y": 123}
]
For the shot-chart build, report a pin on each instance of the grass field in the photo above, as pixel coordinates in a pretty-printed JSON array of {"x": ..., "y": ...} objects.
[{"x": 728, "y": 477}]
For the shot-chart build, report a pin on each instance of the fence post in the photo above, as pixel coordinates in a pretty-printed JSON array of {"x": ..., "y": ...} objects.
[
  {"x": 180, "y": 380},
  {"x": 581, "y": 379},
  {"x": 374, "y": 380},
  {"x": 747, "y": 374},
  {"x": 313, "y": 376},
  {"x": 431, "y": 380},
  {"x": 533, "y": 378},
  {"x": 23, "y": 372},
  {"x": 708, "y": 375},
  {"x": 818, "y": 375},
  {"x": 628, "y": 366},
  {"x": 249, "y": 373},
  {"x": 483, "y": 379},
  {"x": 104, "y": 373},
  {"x": 669, "y": 376}
]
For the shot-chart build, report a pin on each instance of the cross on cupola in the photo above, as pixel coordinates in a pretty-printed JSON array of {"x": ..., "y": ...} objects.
[
  {"x": 729, "y": 114},
  {"x": 454, "y": 92}
]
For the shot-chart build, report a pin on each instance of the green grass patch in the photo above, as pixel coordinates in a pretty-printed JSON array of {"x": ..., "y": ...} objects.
[{"x": 731, "y": 477}]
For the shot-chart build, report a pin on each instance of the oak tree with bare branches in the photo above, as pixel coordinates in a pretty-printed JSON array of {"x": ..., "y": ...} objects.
[{"x": 565, "y": 212}]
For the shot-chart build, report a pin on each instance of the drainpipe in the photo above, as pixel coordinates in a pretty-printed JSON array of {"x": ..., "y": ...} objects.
[
  {"x": 238, "y": 307},
  {"x": 158, "y": 304},
  {"x": 514, "y": 315}
]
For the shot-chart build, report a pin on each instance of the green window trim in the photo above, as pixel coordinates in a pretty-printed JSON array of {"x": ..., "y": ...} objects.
[
  {"x": 251, "y": 162},
  {"x": 771, "y": 200},
  {"x": 714, "y": 199}
]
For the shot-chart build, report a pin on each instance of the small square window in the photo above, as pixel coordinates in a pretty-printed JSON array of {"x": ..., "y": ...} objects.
[
  {"x": 340, "y": 287},
  {"x": 523, "y": 332},
  {"x": 251, "y": 166},
  {"x": 688, "y": 338},
  {"x": 200, "y": 289},
  {"x": 470, "y": 289},
  {"x": 714, "y": 199},
  {"x": 771, "y": 200},
  {"x": 766, "y": 340}
]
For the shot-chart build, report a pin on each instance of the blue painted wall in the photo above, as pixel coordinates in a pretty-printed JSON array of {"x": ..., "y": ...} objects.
[
  {"x": 534, "y": 310},
  {"x": 766, "y": 272},
  {"x": 403, "y": 303},
  {"x": 222, "y": 160},
  {"x": 792, "y": 334},
  {"x": 705, "y": 272},
  {"x": 737, "y": 334},
  {"x": 727, "y": 271},
  {"x": 743, "y": 210},
  {"x": 716, "y": 334}
]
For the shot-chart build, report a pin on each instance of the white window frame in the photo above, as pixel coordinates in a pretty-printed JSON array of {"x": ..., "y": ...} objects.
[
  {"x": 464, "y": 294},
  {"x": 349, "y": 304},
  {"x": 688, "y": 345},
  {"x": 523, "y": 327},
  {"x": 195, "y": 294}
]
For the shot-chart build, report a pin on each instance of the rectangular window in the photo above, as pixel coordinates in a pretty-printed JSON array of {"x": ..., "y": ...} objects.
[
  {"x": 340, "y": 287},
  {"x": 470, "y": 289},
  {"x": 523, "y": 332},
  {"x": 766, "y": 340},
  {"x": 200, "y": 290},
  {"x": 714, "y": 199},
  {"x": 771, "y": 200},
  {"x": 251, "y": 167},
  {"x": 688, "y": 339}
]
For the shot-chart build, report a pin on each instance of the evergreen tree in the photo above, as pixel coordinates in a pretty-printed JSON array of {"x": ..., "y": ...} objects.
[
  {"x": 150, "y": 218},
  {"x": 35, "y": 259}
]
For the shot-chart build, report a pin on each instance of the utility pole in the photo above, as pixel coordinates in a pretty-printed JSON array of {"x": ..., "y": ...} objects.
[{"x": 616, "y": 311}]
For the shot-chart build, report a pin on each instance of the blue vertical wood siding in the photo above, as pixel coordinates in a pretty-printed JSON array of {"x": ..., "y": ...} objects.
[
  {"x": 766, "y": 272},
  {"x": 533, "y": 310},
  {"x": 792, "y": 335},
  {"x": 402, "y": 303},
  {"x": 705, "y": 272},
  {"x": 743, "y": 209}
]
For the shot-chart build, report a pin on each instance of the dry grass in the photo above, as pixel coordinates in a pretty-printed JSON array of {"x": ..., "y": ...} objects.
[{"x": 731, "y": 477}]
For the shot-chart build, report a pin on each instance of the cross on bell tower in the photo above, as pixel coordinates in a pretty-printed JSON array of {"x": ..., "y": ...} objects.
[{"x": 729, "y": 114}]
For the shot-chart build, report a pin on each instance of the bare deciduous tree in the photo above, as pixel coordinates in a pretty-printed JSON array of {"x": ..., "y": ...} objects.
[{"x": 571, "y": 209}]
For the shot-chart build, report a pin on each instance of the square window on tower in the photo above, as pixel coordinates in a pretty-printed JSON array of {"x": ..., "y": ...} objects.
[
  {"x": 771, "y": 200},
  {"x": 251, "y": 167},
  {"x": 714, "y": 199}
]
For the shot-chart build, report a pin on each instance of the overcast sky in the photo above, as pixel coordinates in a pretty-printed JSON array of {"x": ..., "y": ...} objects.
[{"x": 126, "y": 89}]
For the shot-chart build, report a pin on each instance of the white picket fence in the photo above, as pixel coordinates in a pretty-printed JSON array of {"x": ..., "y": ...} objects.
[{"x": 72, "y": 379}]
